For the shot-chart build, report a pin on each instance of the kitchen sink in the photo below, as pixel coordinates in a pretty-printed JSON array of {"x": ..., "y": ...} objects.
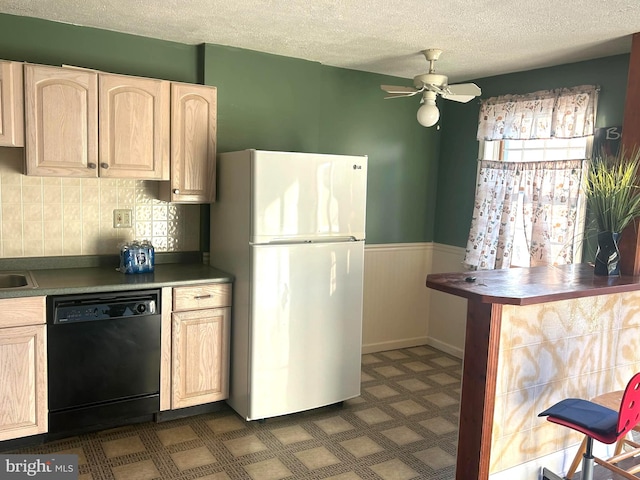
[{"x": 16, "y": 280}]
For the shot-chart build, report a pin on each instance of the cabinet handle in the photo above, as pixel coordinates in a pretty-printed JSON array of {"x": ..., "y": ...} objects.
[
  {"x": 91, "y": 165},
  {"x": 200, "y": 297},
  {"x": 176, "y": 191},
  {"x": 104, "y": 165}
]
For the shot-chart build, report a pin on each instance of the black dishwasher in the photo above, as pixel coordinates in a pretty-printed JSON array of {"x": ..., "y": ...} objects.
[{"x": 103, "y": 359}]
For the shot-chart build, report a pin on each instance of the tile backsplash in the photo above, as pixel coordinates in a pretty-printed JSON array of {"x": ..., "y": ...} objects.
[{"x": 50, "y": 216}]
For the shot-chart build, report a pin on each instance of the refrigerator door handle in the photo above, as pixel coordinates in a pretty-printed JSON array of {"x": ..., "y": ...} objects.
[
  {"x": 349, "y": 238},
  {"x": 295, "y": 241}
]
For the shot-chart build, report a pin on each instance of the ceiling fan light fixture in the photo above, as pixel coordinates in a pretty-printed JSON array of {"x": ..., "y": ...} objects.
[
  {"x": 428, "y": 113},
  {"x": 430, "y": 85}
]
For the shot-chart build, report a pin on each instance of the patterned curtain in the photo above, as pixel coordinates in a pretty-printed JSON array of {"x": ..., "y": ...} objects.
[
  {"x": 550, "y": 207},
  {"x": 560, "y": 113},
  {"x": 550, "y": 199},
  {"x": 494, "y": 216}
]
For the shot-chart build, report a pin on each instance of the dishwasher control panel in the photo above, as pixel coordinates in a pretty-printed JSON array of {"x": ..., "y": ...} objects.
[{"x": 88, "y": 307}]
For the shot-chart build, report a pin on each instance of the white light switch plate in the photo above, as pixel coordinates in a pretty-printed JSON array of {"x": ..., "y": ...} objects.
[{"x": 122, "y": 218}]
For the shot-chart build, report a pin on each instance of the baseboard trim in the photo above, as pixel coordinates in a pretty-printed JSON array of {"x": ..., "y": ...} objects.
[
  {"x": 167, "y": 415},
  {"x": 445, "y": 347},
  {"x": 394, "y": 345}
]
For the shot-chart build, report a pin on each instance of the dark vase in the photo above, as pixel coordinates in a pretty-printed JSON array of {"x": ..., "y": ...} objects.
[{"x": 608, "y": 255}]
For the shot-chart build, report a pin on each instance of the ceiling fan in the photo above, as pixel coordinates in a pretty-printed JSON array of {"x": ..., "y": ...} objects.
[{"x": 430, "y": 85}]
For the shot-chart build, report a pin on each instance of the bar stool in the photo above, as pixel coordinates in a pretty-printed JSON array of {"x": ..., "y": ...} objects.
[
  {"x": 610, "y": 400},
  {"x": 600, "y": 423}
]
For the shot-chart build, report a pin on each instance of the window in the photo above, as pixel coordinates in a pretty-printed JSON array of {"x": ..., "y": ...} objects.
[
  {"x": 554, "y": 149},
  {"x": 524, "y": 176},
  {"x": 535, "y": 150}
]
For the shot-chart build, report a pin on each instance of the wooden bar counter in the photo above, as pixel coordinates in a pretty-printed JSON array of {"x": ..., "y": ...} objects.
[{"x": 533, "y": 337}]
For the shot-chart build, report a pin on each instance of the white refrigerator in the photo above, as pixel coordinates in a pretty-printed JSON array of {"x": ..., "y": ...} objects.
[{"x": 290, "y": 227}]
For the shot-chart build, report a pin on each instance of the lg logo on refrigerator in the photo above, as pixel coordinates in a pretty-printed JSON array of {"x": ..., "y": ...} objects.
[{"x": 357, "y": 167}]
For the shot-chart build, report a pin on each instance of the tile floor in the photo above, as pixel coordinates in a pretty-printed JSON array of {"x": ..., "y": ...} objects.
[{"x": 403, "y": 426}]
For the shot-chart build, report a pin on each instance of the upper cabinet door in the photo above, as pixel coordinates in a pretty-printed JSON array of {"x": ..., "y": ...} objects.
[
  {"x": 61, "y": 118},
  {"x": 11, "y": 105},
  {"x": 134, "y": 127},
  {"x": 193, "y": 144}
]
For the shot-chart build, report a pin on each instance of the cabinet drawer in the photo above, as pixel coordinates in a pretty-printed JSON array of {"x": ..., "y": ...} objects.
[
  {"x": 201, "y": 296},
  {"x": 22, "y": 311}
]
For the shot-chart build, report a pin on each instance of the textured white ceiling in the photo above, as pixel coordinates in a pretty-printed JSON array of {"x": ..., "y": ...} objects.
[{"x": 479, "y": 37}]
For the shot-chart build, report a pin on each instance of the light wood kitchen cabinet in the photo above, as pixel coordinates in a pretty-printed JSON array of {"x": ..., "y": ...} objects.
[
  {"x": 134, "y": 127},
  {"x": 193, "y": 144},
  {"x": 200, "y": 323},
  {"x": 11, "y": 105},
  {"x": 61, "y": 118},
  {"x": 23, "y": 367},
  {"x": 86, "y": 123}
]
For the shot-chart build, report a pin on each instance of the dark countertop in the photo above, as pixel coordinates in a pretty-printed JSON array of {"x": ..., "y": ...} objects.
[
  {"x": 101, "y": 276},
  {"x": 528, "y": 286}
]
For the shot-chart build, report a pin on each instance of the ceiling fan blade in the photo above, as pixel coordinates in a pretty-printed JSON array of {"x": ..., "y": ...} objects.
[
  {"x": 397, "y": 90},
  {"x": 458, "y": 98},
  {"x": 462, "y": 92},
  {"x": 465, "y": 89},
  {"x": 400, "y": 95}
]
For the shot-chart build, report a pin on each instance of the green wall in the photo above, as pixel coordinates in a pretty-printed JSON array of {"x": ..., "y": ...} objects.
[
  {"x": 275, "y": 103},
  {"x": 41, "y": 41},
  {"x": 459, "y": 147}
]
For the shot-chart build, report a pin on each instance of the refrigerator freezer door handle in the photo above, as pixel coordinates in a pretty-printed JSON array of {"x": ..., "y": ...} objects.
[
  {"x": 350, "y": 238},
  {"x": 293, "y": 241}
]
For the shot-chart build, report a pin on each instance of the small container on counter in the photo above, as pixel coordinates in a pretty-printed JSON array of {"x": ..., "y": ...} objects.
[{"x": 137, "y": 257}]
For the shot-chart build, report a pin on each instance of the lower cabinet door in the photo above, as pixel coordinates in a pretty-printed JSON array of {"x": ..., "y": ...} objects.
[
  {"x": 200, "y": 353},
  {"x": 23, "y": 376}
]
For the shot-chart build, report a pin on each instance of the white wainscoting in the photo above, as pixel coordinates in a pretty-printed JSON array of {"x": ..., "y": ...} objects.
[
  {"x": 396, "y": 301},
  {"x": 447, "y": 313},
  {"x": 399, "y": 310}
]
